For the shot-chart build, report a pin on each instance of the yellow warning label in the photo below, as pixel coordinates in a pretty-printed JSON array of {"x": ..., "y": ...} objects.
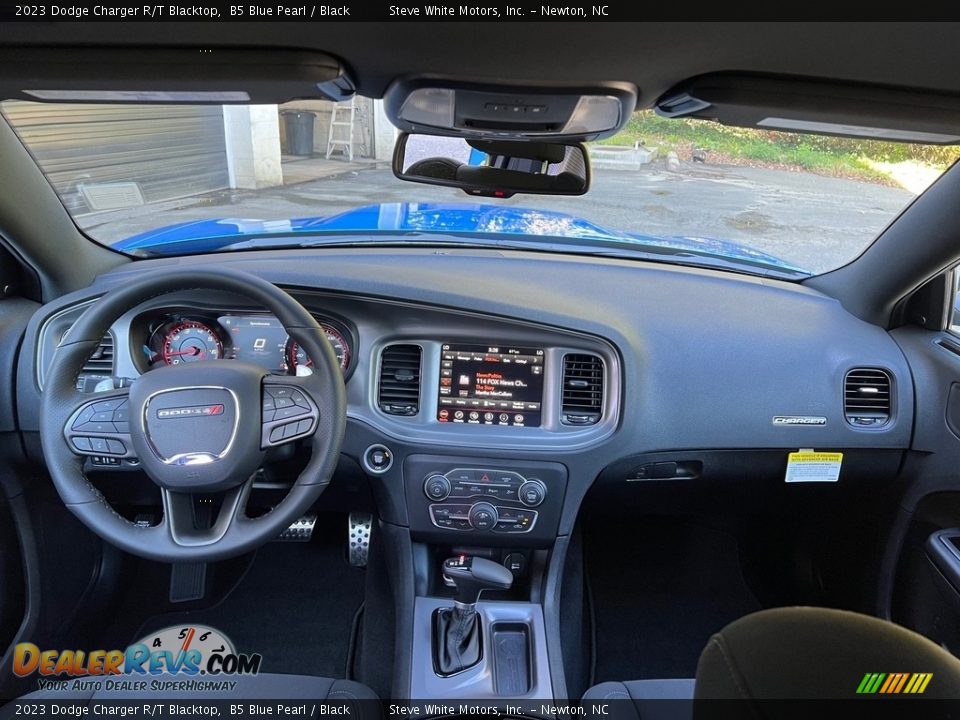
[{"x": 812, "y": 466}]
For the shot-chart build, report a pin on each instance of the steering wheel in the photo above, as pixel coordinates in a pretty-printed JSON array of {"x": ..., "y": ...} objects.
[{"x": 197, "y": 428}]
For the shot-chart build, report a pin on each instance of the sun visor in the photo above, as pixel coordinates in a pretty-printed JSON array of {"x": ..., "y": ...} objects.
[
  {"x": 804, "y": 105},
  {"x": 170, "y": 75}
]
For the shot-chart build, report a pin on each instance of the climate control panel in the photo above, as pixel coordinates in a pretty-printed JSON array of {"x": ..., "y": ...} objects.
[
  {"x": 490, "y": 500},
  {"x": 486, "y": 487},
  {"x": 485, "y": 483}
]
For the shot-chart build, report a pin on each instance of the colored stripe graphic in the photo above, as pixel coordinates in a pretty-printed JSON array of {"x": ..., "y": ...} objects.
[{"x": 894, "y": 683}]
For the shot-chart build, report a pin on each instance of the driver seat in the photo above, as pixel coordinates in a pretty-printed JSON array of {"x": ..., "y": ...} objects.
[{"x": 360, "y": 700}]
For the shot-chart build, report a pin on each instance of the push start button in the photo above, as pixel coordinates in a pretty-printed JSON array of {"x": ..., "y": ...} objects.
[{"x": 377, "y": 459}]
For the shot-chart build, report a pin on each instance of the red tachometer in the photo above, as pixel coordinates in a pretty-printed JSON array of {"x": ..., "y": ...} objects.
[{"x": 190, "y": 341}]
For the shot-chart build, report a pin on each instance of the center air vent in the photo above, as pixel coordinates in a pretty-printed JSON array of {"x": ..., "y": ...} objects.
[
  {"x": 582, "y": 402},
  {"x": 399, "y": 392},
  {"x": 866, "y": 397},
  {"x": 101, "y": 361}
]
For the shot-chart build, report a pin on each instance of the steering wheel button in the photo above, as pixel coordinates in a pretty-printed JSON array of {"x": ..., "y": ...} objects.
[
  {"x": 268, "y": 415},
  {"x": 281, "y": 392},
  {"x": 84, "y": 416},
  {"x": 299, "y": 399},
  {"x": 100, "y": 427},
  {"x": 289, "y": 430},
  {"x": 284, "y": 402},
  {"x": 99, "y": 445},
  {"x": 289, "y": 412},
  {"x": 304, "y": 426},
  {"x": 268, "y": 402},
  {"x": 276, "y": 435},
  {"x": 122, "y": 427},
  {"x": 108, "y": 405},
  {"x": 115, "y": 447},
  {"x": 102, "y": 416},
  {"x": 121, "y": 414},
  {"x": 82, "y": 444}
]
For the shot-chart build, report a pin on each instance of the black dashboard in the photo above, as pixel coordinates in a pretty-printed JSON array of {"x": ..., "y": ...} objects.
[{"x": 547, "y": 371}]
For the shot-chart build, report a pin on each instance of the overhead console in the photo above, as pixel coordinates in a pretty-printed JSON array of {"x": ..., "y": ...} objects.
[{"x": 443, "y": 106}]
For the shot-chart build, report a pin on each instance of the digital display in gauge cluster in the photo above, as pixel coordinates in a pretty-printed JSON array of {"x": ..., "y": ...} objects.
[
  {"x": 258, "y": 339},
  {"x": 490, "y": 385}
]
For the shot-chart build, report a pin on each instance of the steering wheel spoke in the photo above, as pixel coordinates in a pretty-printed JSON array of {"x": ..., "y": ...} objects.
[
  {"x": 194, "y": 519},
  {"x": 99, "y": 426},
  {"x": 288, "y": 410}
]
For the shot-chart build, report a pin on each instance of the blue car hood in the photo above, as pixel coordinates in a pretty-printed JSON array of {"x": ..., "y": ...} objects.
[{"x": 437, "y": 218}]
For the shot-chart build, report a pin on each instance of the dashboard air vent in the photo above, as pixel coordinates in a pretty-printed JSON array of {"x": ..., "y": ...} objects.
[
  {"x": 101, "y": 361},
  {"x": 399, "y": 392},
  {"x": 866, "y": 397},
  {"x": 582, "y": 402}
]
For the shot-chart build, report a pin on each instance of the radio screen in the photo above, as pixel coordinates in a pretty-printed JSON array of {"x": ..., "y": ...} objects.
[{"x": 487, "y": 385}]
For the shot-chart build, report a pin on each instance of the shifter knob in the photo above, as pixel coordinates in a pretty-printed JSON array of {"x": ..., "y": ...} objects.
[{"x": 473, "y": 575}]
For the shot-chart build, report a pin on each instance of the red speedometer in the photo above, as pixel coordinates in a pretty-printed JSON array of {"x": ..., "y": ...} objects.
[
  {"x": 297, "y": 357},
  {"x": 190, "y": 341}
]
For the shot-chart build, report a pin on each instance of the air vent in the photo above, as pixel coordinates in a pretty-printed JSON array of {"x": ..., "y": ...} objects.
[
  {"x": 101, "y": 362},
  {"x": 866, "y": 397},
  {"x": 400, "y": 380},
  {"x": 582, "y": 390}
]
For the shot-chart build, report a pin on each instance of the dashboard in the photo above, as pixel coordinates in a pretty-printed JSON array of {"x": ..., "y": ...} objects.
[{"x": 514, "y": 373}]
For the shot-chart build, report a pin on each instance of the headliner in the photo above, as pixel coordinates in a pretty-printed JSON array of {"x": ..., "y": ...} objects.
[{"x": 654, "y": 56}]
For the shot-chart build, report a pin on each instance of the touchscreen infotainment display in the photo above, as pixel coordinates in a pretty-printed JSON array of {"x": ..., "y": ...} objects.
[{"x": 490, "y": 385}]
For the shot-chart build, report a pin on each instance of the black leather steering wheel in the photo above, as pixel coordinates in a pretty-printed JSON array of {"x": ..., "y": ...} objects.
[{"x": 196, "y": 428}]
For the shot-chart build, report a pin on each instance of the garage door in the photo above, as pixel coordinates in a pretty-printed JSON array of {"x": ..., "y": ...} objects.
[{"x": 168, "y": 151}]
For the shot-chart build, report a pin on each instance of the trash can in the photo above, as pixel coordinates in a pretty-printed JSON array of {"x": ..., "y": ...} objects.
[{"x": 299, "y": 128}]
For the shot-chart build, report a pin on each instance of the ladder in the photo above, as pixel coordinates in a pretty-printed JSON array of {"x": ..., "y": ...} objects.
[{"x": 340, "y": 137}]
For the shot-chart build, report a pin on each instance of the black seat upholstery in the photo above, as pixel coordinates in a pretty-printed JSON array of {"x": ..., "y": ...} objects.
[{"x": 791, "y": 653}]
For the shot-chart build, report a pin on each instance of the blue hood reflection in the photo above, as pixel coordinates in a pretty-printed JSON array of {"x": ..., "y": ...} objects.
[{"x": 201, "y": 236}]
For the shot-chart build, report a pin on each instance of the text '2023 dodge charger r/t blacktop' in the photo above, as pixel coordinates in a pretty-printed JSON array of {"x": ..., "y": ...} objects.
[{"x": 404, "y": 369}]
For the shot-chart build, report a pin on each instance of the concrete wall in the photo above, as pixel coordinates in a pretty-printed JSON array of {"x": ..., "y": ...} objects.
[{"x": 252, "y": 141}]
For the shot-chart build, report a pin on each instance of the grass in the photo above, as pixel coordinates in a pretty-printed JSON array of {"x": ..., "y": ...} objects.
[{"x": 872, "y": 160}]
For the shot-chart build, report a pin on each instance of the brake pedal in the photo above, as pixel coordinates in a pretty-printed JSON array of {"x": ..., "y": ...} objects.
[
  {"x": 359, "y": 527},
  {"x": 301, "y": 530}
]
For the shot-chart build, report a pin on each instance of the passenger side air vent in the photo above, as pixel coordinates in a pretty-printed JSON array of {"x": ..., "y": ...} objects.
[
  {"x": 399, "y": 392},
  {"x": 101, "y": 362},
  {"x": 866, "y": 397},
  {"x": 582, "y": 402}
]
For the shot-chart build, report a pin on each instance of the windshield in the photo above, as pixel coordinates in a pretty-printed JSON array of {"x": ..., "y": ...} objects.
[{"x": 180, "y": 179}]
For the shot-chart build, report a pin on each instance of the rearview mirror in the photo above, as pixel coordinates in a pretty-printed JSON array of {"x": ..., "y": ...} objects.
[{"x": 493, "y": 168}]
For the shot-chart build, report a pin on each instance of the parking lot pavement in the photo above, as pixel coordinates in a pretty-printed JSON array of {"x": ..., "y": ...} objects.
[{"x": 808, "y": 220}]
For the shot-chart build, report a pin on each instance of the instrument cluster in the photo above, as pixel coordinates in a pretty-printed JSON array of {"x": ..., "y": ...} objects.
[{"x": 175, "y": 337}]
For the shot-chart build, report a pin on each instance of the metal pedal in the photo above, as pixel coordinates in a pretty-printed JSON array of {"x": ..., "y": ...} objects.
[
  {"x": 301, "y": 530},
  {"x": 359, "y": 527}
]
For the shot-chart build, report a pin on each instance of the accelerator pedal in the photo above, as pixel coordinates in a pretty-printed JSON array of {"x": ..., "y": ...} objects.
[{"x": 359, "y": 527}]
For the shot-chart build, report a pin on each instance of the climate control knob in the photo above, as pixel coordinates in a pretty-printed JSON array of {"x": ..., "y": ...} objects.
[
  {"x": 436, "y": 487},
  {"x": 483, "y": 516},
  {"x": 532, "y": 493}
]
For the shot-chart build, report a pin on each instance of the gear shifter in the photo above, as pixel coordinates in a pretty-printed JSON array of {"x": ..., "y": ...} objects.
[{"x": 456, "y": 630}]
